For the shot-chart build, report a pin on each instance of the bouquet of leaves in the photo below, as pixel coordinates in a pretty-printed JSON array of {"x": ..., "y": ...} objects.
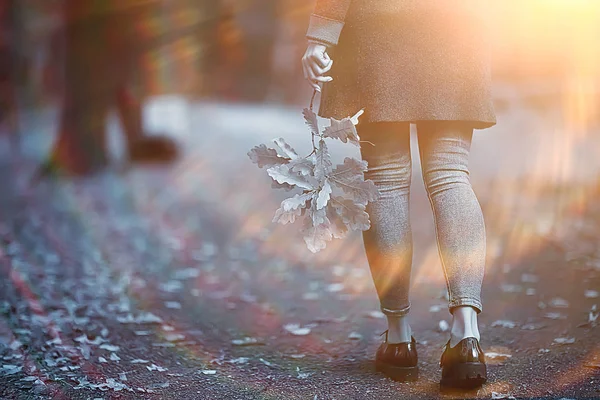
[{"x": 333, "y": 200}]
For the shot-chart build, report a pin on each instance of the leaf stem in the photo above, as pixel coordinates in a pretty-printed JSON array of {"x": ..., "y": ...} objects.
[{"x": 312, "y": 99}]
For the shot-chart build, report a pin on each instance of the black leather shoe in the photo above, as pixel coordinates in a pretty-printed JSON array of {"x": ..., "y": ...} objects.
[
  {"x": 398, "y": 361},
  {"x": 463, "y": 366}
]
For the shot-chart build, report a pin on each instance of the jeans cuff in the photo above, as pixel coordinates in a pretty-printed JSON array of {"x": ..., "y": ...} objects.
[
  {"x": 465, "y": 301},
  {"x": 395, "y": 312}
]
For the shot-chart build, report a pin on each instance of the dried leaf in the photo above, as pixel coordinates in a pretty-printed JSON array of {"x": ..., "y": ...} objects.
[
  {"x": 303, "y": 375},
  {"x": 376, "y": 314},
  {"x": 504, "y": 324},
  {"x": 324, "y": 195},
  {"x": 591, "y": 294},
  {"x": 564, "y": 340},
  {"x": 558, "y": 302},
  {"x": 316, "y": 237},
  {"x": 443, "y": 326},
  {"x": 532, "y": 327},
  {"x": 296, "y": 330},
  {"x": 291, "y": 208},
  {"x": 353, "y": 215},
  {"x": 497, "y": 356},
  {"x": 282, "y": 174},
  {"x": 323, "y": 164},
  {"x": 303, "y": 166},
  {"x": 208, "y": 372},
  {"x": 350, "y": 169},
  {"x": 266, "y": 157},
  {"x": 174, "y": 337},
  {"x": 239, "y": 360},
  {"x": 173, "y": 305},
  {"x": 109, "y": 347},
  {"x": 502, "y": 396},
  {"x": 155, "y": 367},
  {"x": 286, "y": 150},
  {"x": 510, "y": 288},
  {"x": 139, "y": 361},
  {"x": 335, "y": 287},
  {"x": 436, "y": 308},
  {"x": 247, "y": 341},
  {"x": 357, "y": 189},
  {"x": 555, "y": 315},
  {"x": 343, "y": 130},
  {"x": 310, "y": 118},
  {"x": 339, "y": 229}
]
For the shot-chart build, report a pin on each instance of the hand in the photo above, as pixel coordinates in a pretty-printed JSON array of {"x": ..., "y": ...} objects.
[{"x": 316, "y": 63}]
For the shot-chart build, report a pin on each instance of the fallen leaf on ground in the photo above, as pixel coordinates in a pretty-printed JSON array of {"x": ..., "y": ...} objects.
[
  {"x": 355, "y": 336},
  {"x": 376, "y": 314},
  {"x": 532, "y": 327},
  {"x": 554, "y": 315},
  {"x": 335, "y": 287},
  {"x": 173, "y": 305},
  {"x": 496, "y": 395},
  {"x": 174, "y": 337},
  {"x": 109, "y": 347},
  {"x": 504, "y": 323},
  {"x": 239, "y": 360},
  {"x": 558, "y": 302},
  {"x": 510, "y": 288},
  {"x": 497, "y": 356},
  {"x": 564, "y": 340},
  {"x": 295, "y": 329},
  {"x": 443, "y": 326},
  {"x": 208, "y": 371},
  {"x": 155, "y": 367},
  {"x": 247, "y": 341},
  {"x": 303, "y": 375},
  {"x": 436, "y": 308}
]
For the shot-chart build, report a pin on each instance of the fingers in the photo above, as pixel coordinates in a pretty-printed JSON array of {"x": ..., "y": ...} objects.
[
  {"x": 314, "y": 66},
  {"x": 308, "y": 77},
  {"x": 318, "y": 70}
]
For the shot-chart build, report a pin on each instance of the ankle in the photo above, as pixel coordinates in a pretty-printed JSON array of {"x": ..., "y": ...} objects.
[
  {"x": 464, "y": 325},
  {"x": 399, "y": 330}
]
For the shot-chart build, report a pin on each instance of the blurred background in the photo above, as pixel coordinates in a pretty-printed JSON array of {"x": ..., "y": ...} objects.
[
  {"x": 545, "y": 61},
  {"x": 249, "y": 50}
]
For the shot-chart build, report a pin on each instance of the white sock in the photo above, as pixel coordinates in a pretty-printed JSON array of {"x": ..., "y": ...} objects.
[
  {"x": 398, "y": 329},
  {"x": 464, "y": 325}
]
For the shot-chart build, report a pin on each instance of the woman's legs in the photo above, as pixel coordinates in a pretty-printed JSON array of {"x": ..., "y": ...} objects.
[
  {"x": 444, "y": 149},
  {"x": 388, "y": 243}
]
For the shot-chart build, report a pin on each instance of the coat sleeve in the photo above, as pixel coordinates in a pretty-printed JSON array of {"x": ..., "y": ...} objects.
[{"x": 327, "y": 21}]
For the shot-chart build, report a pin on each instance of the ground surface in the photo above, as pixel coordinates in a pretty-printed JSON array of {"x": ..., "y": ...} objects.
[{"x": 172, "y": 282}]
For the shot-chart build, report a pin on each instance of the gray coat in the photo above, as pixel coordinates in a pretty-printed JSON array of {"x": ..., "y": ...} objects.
[{"x": 406, "y": 60}]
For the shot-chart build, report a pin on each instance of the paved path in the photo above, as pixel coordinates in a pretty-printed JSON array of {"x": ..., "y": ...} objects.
[{"x": 173, "y": 283}]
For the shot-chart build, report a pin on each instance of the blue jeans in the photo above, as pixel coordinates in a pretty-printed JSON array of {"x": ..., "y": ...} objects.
[{"x": 460, "y": 231}]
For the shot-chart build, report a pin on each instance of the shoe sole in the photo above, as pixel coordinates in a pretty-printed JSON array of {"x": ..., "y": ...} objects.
[
  {"x": 400, "y": 374},
  {"x": 465, "y": 375}
]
